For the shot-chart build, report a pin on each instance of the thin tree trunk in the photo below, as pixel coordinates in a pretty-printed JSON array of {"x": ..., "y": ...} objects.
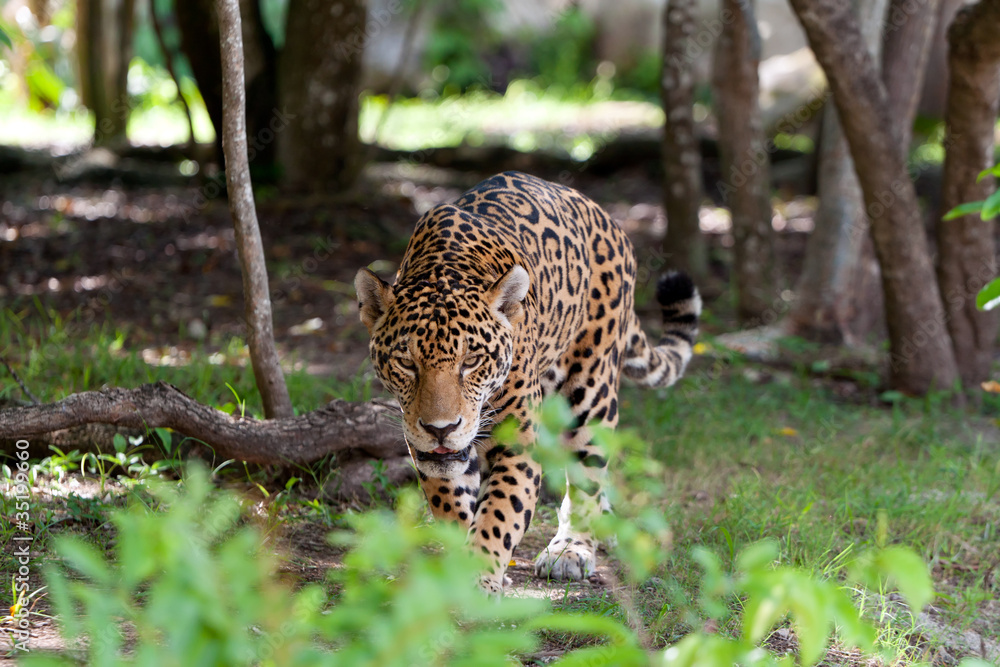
[
  {"x": 838, "y": 297},
  {"x": 745, "y": 160},
  {"x": 319, "y": 73},
  {"x": 966, "y": 246},
  {"x": 260, "y": 335},
  {"x": 684, "y": 244},
  {"x": 921, "y": 355}
]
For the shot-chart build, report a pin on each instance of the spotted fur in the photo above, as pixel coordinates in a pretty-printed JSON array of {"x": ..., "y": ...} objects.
[{"x": 519, "y": 289}]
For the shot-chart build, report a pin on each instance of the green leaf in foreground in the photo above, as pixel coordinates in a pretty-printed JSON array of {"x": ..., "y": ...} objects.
[
  {"x": 991, "y": 171},
  {"x": 621, "y": 650},
  {"x": 991, "y": 207},
  {"x": 989, "y": 297},
  {"x": 967, "y": 208},
  {"x": 902, "y": 568}
]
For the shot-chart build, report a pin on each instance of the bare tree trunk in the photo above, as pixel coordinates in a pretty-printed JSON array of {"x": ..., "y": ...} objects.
[
  {"x": 104, "y": 49},
  {"x": 966, "y": 246},
  {"x": 684, "y": 244},
  {"x": 921, "y": 355},
  {"x": 319, "y": 73},
  {"x": 839, "y": 298},
  {"x": 260, "y": 335},
  {"x": 934, "y": 95},
  {"x": 745, "y": 160},
  {"x": 909, "y": 31}
]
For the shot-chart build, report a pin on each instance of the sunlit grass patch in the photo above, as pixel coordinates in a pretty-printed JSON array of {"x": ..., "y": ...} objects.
[
  {"x": 57, "y": 356},
  {"x": 526, "y": 118}
]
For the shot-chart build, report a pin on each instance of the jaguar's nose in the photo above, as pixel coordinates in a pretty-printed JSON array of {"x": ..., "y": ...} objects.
[{"x": 440, "y": 432}]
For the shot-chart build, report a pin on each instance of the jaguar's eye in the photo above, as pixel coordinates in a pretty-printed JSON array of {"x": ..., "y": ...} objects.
[
  {"x": 472, "y": 361},
  {"x": 406, "y": 363}
]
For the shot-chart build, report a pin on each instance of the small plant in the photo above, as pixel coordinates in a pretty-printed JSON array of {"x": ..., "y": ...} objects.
[
  {"x": 565, "y": 59},
  {"x": 380, "y": 484},
  {"x": 460, "y": 38},
  {"x": 24, "y": 602},
  {"x": 241, "y": 403},
  {"x": 196, "y": 587}
]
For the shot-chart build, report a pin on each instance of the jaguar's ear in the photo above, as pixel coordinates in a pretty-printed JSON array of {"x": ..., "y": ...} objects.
[
  {"x": 374, "y": 297},
  {"x": 506, "y": 296}
]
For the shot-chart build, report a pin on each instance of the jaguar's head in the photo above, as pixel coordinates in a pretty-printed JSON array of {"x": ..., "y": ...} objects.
[{"x": 443, "y": 349}]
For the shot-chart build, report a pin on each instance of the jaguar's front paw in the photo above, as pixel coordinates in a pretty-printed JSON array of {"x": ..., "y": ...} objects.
[
  {"x": 566, "y": 558},
  {"x": 491, "y": 585}
]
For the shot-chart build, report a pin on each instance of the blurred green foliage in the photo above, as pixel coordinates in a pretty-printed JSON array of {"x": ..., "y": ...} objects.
[
  {"x": 461, "y": 38},
  {"x": 565, "y": 56},
  {"x": 466, "y": 52}
]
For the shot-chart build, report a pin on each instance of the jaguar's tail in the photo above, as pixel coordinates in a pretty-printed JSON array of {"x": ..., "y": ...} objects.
[{"x": 662, "y": 365}]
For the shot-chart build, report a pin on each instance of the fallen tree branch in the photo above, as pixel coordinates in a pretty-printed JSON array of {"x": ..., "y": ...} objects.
[{"x": 339, "y": 426}]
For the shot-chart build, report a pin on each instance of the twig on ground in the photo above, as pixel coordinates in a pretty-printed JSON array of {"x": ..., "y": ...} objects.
[{"x": 17, "y": 378}]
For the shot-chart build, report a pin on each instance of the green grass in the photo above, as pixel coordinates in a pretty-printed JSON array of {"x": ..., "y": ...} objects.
[
  {"x": 825, "y": 479},
  {"x": 57, "y": 356}
]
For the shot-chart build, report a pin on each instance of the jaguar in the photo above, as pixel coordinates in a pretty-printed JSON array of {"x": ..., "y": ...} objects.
[{"x": 520, "y": 289}]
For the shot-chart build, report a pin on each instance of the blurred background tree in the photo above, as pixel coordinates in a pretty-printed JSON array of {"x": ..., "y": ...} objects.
[{"x": 104, "y": 50}]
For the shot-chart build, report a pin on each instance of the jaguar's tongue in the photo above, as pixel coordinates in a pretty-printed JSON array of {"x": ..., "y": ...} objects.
[{"x": 442, "y": 450}]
